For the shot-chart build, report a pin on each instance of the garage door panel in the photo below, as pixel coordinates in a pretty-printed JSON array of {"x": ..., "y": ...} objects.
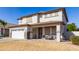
[{"x": 18, "y": 34}]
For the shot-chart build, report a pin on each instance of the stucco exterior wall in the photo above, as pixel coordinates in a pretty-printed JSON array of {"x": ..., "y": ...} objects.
[
  {"x": 60, "y": 32},
  {"x": 64, "y": 31},
  {"x": 53, "y": 18},
  {"x": 26, "y": 20},
  {"x": 64, "y": 19},
  {"x": 34, "y": 19},
  {"x": 29, "y": 20}
]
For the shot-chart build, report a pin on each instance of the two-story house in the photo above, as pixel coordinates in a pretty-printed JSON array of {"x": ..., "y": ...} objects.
[{"x": 40, "y": 25}]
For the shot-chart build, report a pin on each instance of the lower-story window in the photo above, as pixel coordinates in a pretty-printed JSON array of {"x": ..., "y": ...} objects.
[{"x": 47, "y": 30}]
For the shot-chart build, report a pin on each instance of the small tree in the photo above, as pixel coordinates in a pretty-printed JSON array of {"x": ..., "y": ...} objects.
[
  {"x": 3, "y": 24},
  {"x": 71, "y": 27}
]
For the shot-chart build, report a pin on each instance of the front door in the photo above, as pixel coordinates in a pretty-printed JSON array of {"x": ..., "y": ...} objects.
[{"x": 40, "y": 33}]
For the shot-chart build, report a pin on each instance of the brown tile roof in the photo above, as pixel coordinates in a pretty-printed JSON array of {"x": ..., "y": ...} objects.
[
  {"x": 22, "y": 25},
  {"x": 43, "y": 23}
]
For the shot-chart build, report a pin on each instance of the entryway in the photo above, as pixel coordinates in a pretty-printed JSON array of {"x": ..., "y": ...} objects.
[{"x": 40, "y": 32}]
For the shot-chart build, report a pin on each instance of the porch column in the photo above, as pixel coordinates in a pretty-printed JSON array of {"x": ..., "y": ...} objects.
[
  {"x": 31, "y": 33},
  {"x": 43, "y": 31},
  {"x": 10, "y": 33},
  {"x": 25, "y": 33},
  {"x": 58, "y": 33}
]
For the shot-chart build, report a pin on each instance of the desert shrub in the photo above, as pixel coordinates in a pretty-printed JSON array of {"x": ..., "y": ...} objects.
[{"x": 75, "y": 40}]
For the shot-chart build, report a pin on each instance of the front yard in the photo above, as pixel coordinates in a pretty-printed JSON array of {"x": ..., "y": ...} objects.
[{"x": 36, "y": 45}]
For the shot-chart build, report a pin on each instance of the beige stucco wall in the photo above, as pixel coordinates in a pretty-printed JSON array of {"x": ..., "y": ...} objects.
[
  {"x": 53, "y": 18},
  {"x": 34, "y": 19},
  {"x": 58, "y": 33},
  {"x": 64, "y": 19},
  {"x": 26, "y": 20},
  {"x": 61, "y": 32},
  {"x": 29, "y": 20}
]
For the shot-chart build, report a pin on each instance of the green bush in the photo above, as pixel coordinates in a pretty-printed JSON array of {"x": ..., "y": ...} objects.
[{"x": 75, "y": 40}]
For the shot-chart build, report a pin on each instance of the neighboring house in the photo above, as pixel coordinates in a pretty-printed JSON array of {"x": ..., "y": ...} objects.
[
  {"x": 6, "y": 30},
  {"x": 39, "y": 25}
]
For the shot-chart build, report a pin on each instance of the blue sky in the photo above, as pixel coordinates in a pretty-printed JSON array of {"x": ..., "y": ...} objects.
[{"x": 10, "y": 14}]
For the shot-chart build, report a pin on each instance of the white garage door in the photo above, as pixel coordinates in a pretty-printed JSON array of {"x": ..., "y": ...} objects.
[{"x": 18, "y": 34}]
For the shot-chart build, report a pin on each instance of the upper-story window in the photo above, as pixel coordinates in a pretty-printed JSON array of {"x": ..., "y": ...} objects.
[
  {"x": 47, "y": 15},
  {"x": 54, "y": 14},
  {"x": 51, "y": 15},
  {"x": 28, "y": 21}
]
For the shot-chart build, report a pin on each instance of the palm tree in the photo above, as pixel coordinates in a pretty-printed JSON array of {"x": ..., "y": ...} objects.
[{"x": 3, "y": 23}]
